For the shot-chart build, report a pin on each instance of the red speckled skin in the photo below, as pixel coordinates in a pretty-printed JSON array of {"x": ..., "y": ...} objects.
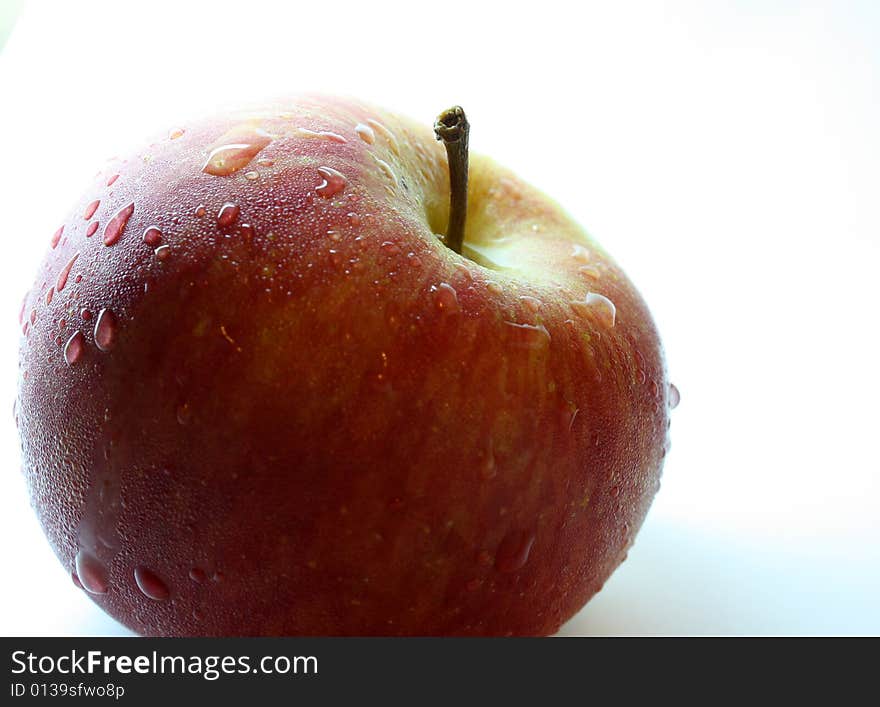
[{"x": 292, "y": 409}]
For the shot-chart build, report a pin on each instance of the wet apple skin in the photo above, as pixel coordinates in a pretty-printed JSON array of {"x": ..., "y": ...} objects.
[{"x": 297, "y": 412}]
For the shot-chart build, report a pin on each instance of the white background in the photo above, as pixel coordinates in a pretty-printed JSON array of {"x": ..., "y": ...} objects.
[{"x": 727, "y": 154}]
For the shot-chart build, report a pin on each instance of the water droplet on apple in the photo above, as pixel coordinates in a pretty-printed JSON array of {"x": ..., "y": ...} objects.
[
  {"x": 184, "y": 413},
  {"x": 532, "y": 304},
  {"x": 386, "y": 133},
  {"x": 112, "y": 179},
  {"x": 597, "y": 305},
  {"x": 252, "y": 176},
  {"x": 527, "y": 336},
  {"x": 200, "y": 211},
  {"x": 365, "y": 133},
  {"x": 589, "y": 272},
  {"x": 354, "y": 219},
  {"x": 580, "y": 254},
  {"x": 386, "y": 169},
  {"x": 91, "y": 209},
  {"x": 488, "y": 469},
  {"x": 86, "y": 314},
  {"x": 49, "y": 295},
  {"x": 105, "y": 330},
  {"x": 321, "y": 135},
  {"x": 235, "y": 150},
  {"x": 513, "y": 552},
  {"x": 445, "y": 298},
  {"x": 163, "y": 252},
  {"x": 228, "y": 215},
  {"x": 75, "y": 579},
  {"x": 90, "y": 231},
  {"x": 92, "y": 573},
  {"x": 56, "y": 237},
  {"x": 116, "y": 225},
  {"x": 153, "y": 237},
  {"x": 333, "y": 183},
  {"x": 197, "y": 575},
  {"x": 494, "y": 287},
  {"x": 176, "y": 133},
  {"x": 151, "y": 586},
  {"x": 64, "y": 274},
  {"x": 674, "y": 396}
]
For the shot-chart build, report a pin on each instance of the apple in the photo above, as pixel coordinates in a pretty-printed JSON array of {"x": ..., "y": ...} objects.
[{"x": 262, "y": 391}]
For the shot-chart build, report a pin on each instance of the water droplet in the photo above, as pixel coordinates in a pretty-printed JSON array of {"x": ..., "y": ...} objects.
[
  {"x": 150, "y": 584},
  {"x": 494, "y": 287},
  {"x": 321, "y": 135},
  {"x": 78, "y": 279},
  {"x": 90, "y": 231},
  {"x": 228, "y": 215},
  {"x": 33, "y": 316},
  {"x": 528, "y": 336},
  {"x": 580, "y": 254},
  {"x": 65, "y": 273},
  {"x": 513, "y": 552},
  {"x": 265, "y": 163},
  {"x": 91, "y": 572},
  {"x": 49, "y": 295},
  {"x": 62, "y": 323},
  {"x": 198, "y": 614},
  {"x": 73, "y": 349},
  {"x": 386, "y": 169},
  {"x": 235, "y": 150},
  {"x": 91, "y": 209},
  {"x": 86, "y": 314},
  {"x": 153, "y": 237},
  {"x": 197, "y": 575},
  {"x": 674, "y": 396},
  {"x": 184, "y": 413},
  {"x": 56, "y": 237},
  {"x": 445, "y": 298},
  {"x": 116, "y": 225},
  {"x": 112, "y": 179},
  {"x": 176, "y": 133},
  {"x": 532, "y": 304},
  {"x": 200, "y": 211},
  {"x": 365, "y": 133},
  {"x": 333, "y": 182},
  {"x": 598, "y": 305},
  {"x": 386, "y": 133},
  {"x": 105, "y": 330},
  {"x": 589, "y": 272},
  {"x": 163, "y": 252},
  {"x": 488, "y": 469},
  {"x": 252, "y": 176},
  {"x": 75, "y": 579}
]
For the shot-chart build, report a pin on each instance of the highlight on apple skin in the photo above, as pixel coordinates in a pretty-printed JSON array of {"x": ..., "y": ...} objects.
[{"x": 259, "y": 395}]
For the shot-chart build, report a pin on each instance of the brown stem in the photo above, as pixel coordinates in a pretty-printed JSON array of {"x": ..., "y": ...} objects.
[{"x": 452, "y": 128}]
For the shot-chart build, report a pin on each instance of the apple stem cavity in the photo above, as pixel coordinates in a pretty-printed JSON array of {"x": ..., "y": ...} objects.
[{"x": 452, "y": 128}]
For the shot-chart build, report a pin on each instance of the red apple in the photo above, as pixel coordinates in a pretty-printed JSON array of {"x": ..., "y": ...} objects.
[{"x": 259, "y": 395}]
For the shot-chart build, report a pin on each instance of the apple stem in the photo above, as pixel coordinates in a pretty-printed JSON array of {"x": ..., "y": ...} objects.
[{"x": 452, "y": 128}]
